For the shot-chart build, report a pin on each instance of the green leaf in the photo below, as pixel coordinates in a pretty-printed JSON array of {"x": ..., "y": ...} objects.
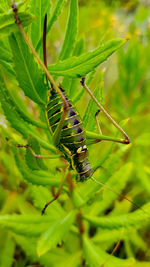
[
  {"x": 29, "y": 76},
  {"x": 72, "y": 92},
  {"x": 30, "y": 225},
  {"x": 55, "y": 233},
  {"x": 97, "y": 257},
  {"x": 117, "y": 182},
  {"x": 4, "y": 6},
  {"x": 82, "y": 65},
  {"x": 7, "y": 253},
  {"x": 71, "y": 31},
  {"x": 71, "y": 85},
  {"x": 54, "y": 258},
  {"x": 7, "y": 22},
  {"x": 39, "y": 9},
  {"x": 56, "y": 13},
  {"x": 34, "y": 177},
  {"x": 134, "y": 219},
  {"x": 22, "y": 113},
  {"x": 15, "y": 118},
  {"x": 32, "y": 162},
  {"x": 40, "y": 196},
  {"x": 5, "y": 57},
  {"x": 82, "y": 90},
  {"x": 89, "y": 115}
]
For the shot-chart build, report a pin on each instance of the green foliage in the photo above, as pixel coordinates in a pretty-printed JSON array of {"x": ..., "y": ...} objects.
[
  {"x": 7, "y": 24},
  {"x": 71, "y": 31},
  {"x": 82, "y": 65},
  {"x": 28, "y": 74},
  {"x": 55, "y": 234},
  {"x": 84, "y": 226}
]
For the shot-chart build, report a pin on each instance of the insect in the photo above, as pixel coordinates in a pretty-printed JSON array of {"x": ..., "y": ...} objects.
[{"x": 65, "y": 123}]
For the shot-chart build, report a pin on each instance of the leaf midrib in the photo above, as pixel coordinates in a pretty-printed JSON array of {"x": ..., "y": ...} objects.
[{"x": 28, "y": 73}]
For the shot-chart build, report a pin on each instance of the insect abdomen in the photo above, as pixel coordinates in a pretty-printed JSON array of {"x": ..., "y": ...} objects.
[{"x": 72, "y": 135}]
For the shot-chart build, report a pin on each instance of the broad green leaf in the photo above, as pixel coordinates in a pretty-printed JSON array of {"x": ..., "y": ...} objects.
[
  {"x": 7, "y": 22},
  {"x": 53, "y": 258},
  {"x": 82, "y": 65},
  {"x": 4, "y": 7},
  {"x": 141, "y": 173},
  {"x": 134, "y": 219},
  {"x": 41, "y": 195},
  {"x": 56, "y": 13},
  {"x": 22, "y": 113},
  {"x": 89, "y": 115},
  {"x": 71, "y": 85},
  {"x": 7, "y": 253},
  {"x": 88, "y": 189},
  {"x": 29, "y": 76},
  {"x": 96, "y": 257},
  {"x": 30, "y": 225},
  {"x": 5, "y": 57},
  {"x": 32, "y": 162},
  {"x": 55, "y": 233},
  {"x": 117, "y": 182},
  {"x": 71, "y": 31},
  {"x": 82, "y": 90},
  {"x": 39, "y": 9},
  {"x": 78, "y": 50},
  {"x": 35, "y": 177},
  {"x": 15, "y": 118}
]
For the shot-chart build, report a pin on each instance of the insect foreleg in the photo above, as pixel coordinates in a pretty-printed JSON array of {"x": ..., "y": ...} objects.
[{"x": 126, "y": 139}]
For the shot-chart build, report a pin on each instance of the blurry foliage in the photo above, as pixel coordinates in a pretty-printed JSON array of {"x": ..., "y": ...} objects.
[{"x": 26, "y": 237}]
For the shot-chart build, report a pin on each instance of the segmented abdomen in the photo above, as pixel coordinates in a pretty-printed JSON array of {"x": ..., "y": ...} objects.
[{"x": 72, "y": 133}]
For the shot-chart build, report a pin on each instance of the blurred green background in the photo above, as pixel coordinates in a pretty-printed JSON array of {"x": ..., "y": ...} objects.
[{"x": 126, "y": 96}]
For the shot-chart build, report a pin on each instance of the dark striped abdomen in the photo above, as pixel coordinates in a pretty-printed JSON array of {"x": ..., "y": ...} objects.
[
  {"x": 72, "y": 133},
  {"x": 72, "y": 139}
]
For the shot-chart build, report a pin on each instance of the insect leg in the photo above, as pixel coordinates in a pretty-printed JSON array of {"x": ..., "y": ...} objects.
[
  {"x": 57, "y": 193},
  {"x": 96, "y": 138},
  {"x": 98, "y": 124},
  {"x": 36, "y": 155},
  {"x": 126, "y": 138},
  {"x": 56, "y": 135}
]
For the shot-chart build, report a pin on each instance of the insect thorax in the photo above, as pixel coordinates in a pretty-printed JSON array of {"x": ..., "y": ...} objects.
[{"x": 72, "y": 135}]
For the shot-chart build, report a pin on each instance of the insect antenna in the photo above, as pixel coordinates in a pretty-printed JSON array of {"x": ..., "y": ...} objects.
[
  {"x": 119, "y": 195},
  {"x": 44, "y": 41}
]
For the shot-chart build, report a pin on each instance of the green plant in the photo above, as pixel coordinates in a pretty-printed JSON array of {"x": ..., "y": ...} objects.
[{"x": 28, "y": 183}]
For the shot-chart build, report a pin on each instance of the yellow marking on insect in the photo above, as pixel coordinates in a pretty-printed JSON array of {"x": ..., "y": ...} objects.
[
  {"x": 72, "y": 134},
  {"x": 48, "y": 123},
  {"x": 69, "y": 125},
  {"x": 76, "y": 143},
  {"x": 81, "y": 149},
  {"x": 56, "y": 114},
  {"x": 67, "y": 150},
  {"x": 72, "y": 126},
  {"x": 54, "y": 106}
]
